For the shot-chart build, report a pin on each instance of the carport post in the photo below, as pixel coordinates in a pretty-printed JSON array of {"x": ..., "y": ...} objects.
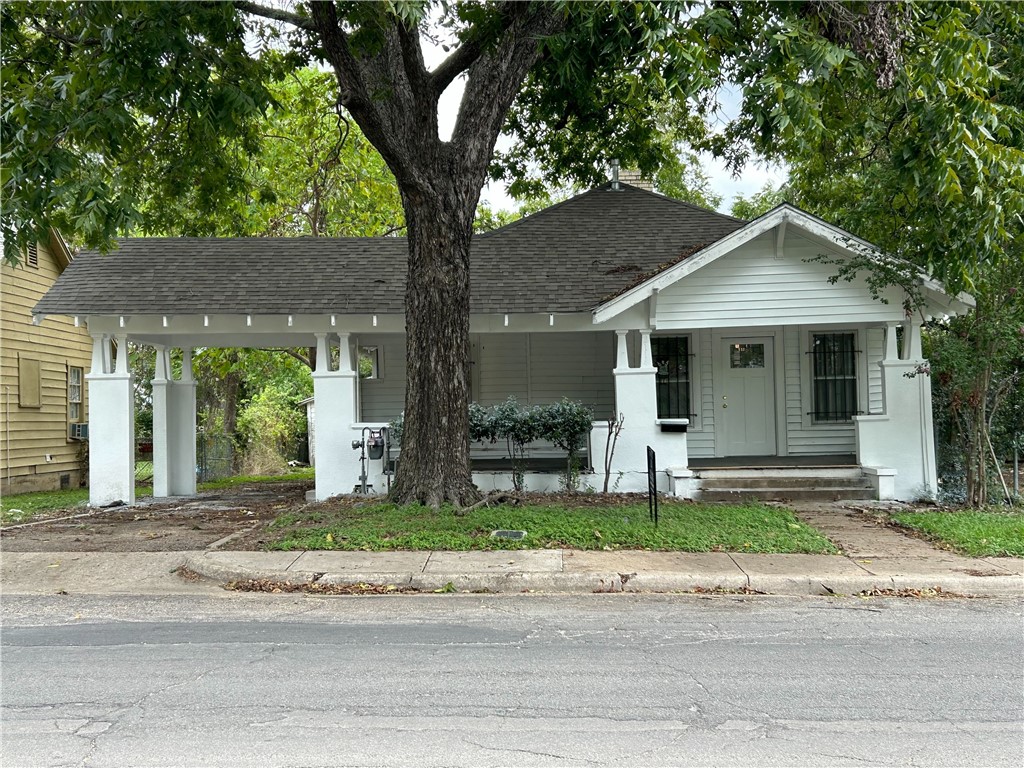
[
  {"x": 174, "y": 427},
  {"x": 111, "y": 424},
  {"x": 334, "y": 395}
]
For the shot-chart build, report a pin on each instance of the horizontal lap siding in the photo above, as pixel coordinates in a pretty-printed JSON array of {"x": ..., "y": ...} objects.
[
  {"x": 803, "y": 437},
  {"x": 875, "y": 348},
  {"x": 504, "y": 366},
  {"x": 573, "y": 365},
  {"x": 701, "y": 444},
  {"x": 751, "y": 287},
  {"x": 34, "y": 433},
  {"x": 383, "y": 399},
  {"x": 535, "y": 368}
]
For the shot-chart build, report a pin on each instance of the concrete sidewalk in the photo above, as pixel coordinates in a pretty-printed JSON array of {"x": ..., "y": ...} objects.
[
  {"x": 875, "y": 557},
  {"x": 557, "y": 570}
]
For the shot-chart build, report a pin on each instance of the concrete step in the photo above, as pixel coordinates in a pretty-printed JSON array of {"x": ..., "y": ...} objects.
[
  {"x": 778, "y": 472},
  {"x": 788, "y": 481},
  {"x": 787, "y": 494}
]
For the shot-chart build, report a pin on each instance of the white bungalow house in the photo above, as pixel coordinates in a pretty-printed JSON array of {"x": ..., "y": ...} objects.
[{"x": 720, "y": 342}]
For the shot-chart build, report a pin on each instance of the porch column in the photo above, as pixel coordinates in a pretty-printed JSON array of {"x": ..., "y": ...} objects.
[
  {"x": 901, "y": 440},
  {"x": 174, "y": 427},
  {"x": 334, "y": 394},
  {"x": 111, "y": 424},
  {"x": 636, "y": 399}
]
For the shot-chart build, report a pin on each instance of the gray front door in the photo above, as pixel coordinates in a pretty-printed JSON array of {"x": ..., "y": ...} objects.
[{"x": 746, "y": 408}]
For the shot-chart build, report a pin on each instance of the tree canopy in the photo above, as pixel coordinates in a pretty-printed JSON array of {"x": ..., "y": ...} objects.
[{"x": 108, "y": 106}]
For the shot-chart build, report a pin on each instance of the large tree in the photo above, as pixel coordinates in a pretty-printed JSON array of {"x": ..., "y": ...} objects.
[{"x": 89, "y": 86}]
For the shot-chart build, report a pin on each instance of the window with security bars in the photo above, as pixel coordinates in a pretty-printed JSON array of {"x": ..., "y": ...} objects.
[
  {"x": 671, "y": 356},
  {"x": 834, "y": 376}
]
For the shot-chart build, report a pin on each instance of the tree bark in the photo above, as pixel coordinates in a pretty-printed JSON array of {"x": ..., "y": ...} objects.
[
  {"x": 440, "y": 184},
  {"x": 434, "y": 466}
]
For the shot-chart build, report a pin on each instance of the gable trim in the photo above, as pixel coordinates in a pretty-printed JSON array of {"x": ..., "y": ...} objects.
[{"x": 778, "y": 218}]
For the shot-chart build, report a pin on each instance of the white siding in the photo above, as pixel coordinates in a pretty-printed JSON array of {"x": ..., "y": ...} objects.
[
  {"x": 874, "y": 349},
  {"x": 751, "y": 287}
]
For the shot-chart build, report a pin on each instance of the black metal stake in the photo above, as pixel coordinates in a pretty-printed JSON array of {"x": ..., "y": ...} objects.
[{"x": 652, "y": 486}]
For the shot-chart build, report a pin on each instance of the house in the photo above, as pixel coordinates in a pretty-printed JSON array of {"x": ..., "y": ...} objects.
[
  {"x": 43, "y": 400},
  {"x": 718, "y": 341}
]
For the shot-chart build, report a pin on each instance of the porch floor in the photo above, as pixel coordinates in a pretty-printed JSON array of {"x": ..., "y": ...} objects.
[{"x": 775, "y": 462}]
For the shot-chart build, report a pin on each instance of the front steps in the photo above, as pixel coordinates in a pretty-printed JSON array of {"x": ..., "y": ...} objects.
[{"x": 783, "y": 484}]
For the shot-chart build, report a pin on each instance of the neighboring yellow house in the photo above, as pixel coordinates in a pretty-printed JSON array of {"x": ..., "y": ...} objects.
[{"x": 43, "y": 408}]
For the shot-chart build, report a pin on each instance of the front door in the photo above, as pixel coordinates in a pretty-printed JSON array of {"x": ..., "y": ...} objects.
[{"x": 746, "y": 408}]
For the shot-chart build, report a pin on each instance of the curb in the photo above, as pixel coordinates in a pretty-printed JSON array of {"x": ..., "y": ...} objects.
[{"x": 791, "y": 585}]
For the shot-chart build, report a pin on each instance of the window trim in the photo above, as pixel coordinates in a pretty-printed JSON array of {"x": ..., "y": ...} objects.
[
  {"x": 807, "y": 377},
  {"x": 80, "y": 402},
  {"x": 693, "y": 375}
]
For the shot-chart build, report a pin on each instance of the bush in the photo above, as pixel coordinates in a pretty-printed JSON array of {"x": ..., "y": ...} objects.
[{"x": 566, "y": 424}]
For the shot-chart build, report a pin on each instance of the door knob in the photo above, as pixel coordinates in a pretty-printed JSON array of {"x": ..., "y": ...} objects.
[{"x": 725, "y": 405}]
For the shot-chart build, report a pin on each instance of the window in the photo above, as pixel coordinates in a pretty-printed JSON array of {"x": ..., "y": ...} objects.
[
  {"x": 74, "y": 394},
  {"x": 672, "y": 381},
  {"x": 833, "y": 376},
  {"x": 369, "y": 362}
]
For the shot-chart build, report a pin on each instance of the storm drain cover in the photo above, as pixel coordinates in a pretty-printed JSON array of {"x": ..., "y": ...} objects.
[{"x": 516, "y": 535}]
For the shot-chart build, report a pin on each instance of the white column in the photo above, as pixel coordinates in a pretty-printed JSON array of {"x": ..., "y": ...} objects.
[
  {"x": 161, "y": 444},
  {"x": 902, "y": 439},
  {"x": 645, "y": 349},
  {"x": 111, "y": 426},
  {"x": 636, "y": 399},
  {"x": 334, "y": 393},
  {"x": 622, "y": 352},
  {"x": 174, "y": 427},
  {"x": 892, "y": 350},
  {"x": 181, "y": 424}
]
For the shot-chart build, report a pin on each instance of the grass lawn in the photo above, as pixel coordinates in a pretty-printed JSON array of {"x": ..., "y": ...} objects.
[
  {"x": 685, "y": 527},
  {"x": 971, "y": 532},
  {"x": 22, "y": 507}
]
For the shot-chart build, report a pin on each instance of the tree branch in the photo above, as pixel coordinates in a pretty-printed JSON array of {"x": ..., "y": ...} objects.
[
  {"x": 465, "y": 55},
  {"x": 276, "y": 14}
]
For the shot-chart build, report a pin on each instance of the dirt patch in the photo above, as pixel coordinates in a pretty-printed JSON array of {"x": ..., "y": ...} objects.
[{"x": 166, "y": 526}]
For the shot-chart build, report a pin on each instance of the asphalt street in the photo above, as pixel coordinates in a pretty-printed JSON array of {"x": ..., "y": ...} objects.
[{"x": 464, "y": 680}]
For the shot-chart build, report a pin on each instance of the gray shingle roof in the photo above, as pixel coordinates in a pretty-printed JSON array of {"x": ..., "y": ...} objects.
[{"x": 566, "y": 258}]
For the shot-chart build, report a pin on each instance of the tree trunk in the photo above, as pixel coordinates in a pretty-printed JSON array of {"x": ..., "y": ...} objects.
[{"x": 434, "y": 466}]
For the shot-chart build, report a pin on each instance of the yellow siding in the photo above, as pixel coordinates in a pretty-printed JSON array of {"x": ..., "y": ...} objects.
[{"x": 31, "y": 436}]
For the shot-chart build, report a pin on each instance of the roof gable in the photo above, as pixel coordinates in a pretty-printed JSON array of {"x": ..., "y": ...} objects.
[{"x": 780, "y": 219}]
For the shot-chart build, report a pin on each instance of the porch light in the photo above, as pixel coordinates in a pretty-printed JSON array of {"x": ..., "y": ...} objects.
[
  {"x": 290, "y": 321},
  {"x": 206, "y": 321},
  {"x": 506, "y": 321},
  {"x": 120, "y": 321},
  {"x": 551, "y": 319},
  {"x": 76, "y": 321},
  {"x": 374, "y": 321},
  {"x": 334, "y": 321},
  {"x": 165, "y": 321},
  {"x": 248, "y": 320}
]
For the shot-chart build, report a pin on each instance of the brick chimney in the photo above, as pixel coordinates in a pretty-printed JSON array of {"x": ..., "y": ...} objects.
[{"x": 632, "y": 178}]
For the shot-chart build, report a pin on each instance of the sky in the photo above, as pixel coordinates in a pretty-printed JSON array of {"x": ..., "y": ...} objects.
[{"x": 751, "y": 179}]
